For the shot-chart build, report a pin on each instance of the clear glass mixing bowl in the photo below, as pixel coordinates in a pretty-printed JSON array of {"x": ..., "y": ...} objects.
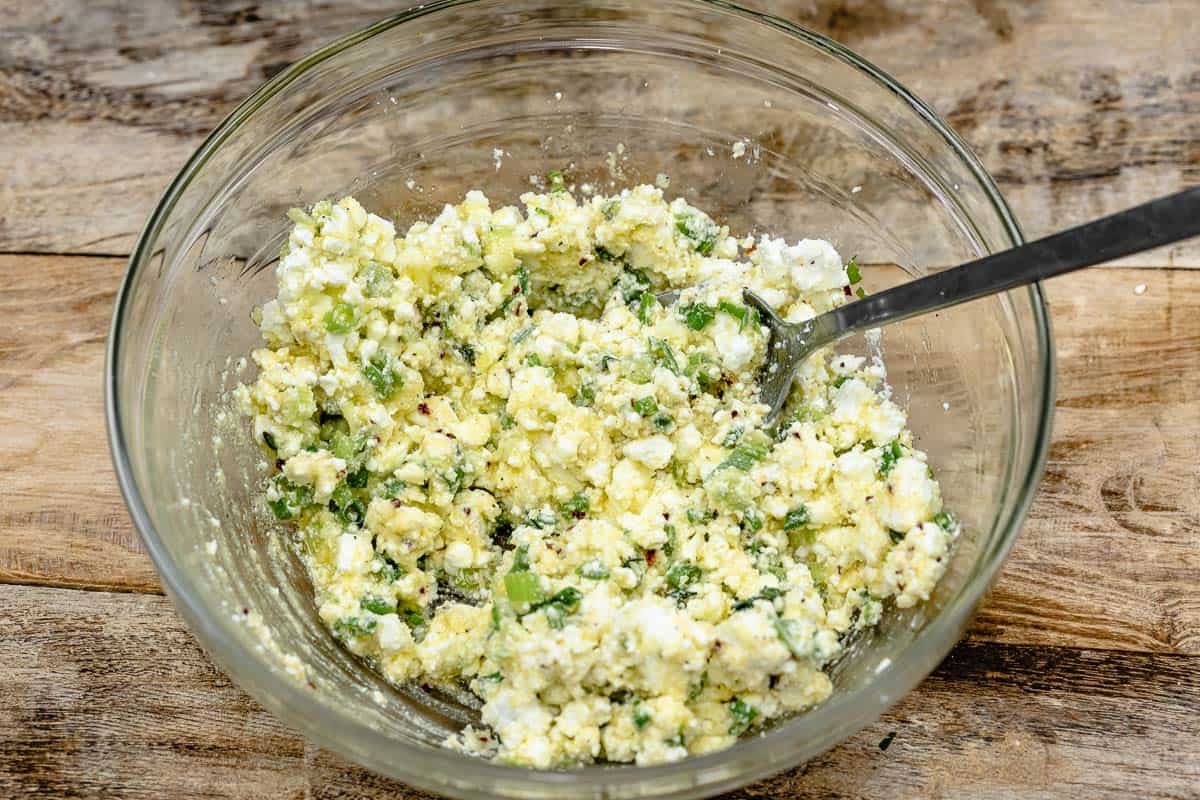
[{"x": 409, "y": 114}]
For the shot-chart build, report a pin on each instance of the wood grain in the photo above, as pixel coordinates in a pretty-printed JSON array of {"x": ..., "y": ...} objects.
[
  {"x": 106, "y": 695},
  {"x": 1077, "y": 110},
  {"x": 62, "y": 521}
]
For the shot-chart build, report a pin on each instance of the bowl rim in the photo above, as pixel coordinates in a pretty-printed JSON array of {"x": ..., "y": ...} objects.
[{"x": 296, "y": 707}]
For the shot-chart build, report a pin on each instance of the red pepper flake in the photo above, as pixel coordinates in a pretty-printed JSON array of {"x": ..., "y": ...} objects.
[
  {"x": 423, "y": 408},
  {"x": 451, "y": 436},
  {"x": 733, "y": 414},
  {"x": 651, "y": 556},
  {"x": 846, "y": 289},
  {"x": 578, "y": 514},
  {"x": 396, "y": 503},
  {"x": 583, "y": 261}
]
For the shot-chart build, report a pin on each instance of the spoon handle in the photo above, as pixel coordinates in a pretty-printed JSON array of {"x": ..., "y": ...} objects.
[{"x": 1162, "y": 221}]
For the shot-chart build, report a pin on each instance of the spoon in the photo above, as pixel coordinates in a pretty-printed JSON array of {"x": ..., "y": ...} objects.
[{"x": 1162, "y": 221}]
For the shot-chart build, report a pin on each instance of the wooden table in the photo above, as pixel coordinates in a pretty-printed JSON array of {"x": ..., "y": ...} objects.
[{"x": 1079, "y": 678}]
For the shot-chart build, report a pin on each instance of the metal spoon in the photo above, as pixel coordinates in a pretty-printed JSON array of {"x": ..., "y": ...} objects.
[{"x": 1143, "y": 227}]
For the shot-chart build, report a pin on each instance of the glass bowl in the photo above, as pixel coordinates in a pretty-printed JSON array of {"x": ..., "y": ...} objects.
[{"x": 768, "y": 127}]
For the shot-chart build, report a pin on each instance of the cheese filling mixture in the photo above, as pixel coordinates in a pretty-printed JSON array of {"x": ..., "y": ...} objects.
[{"x": 511, "y": 468}]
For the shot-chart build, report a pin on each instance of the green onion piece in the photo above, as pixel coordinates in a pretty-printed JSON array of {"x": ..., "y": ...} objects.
[
  {"x": 743, "y": 314},
  {"x": 896, "y": 536},
  {"x": 355, "y": 626},
  {"x": 646, "y": 304},
  {"x": 269, "y": 439},
  {"x": 944, "y": 520},
  {"x": 697, "y": 315},
  {"x": 522, "y": 335},
  {"x": 554, "y": 616},
  {"x": 358, "y": 478},
  {"x": 467, "y": 352},
  {"x": 378, "y": 605},
  {"x": 292, "y": 498},
  {"x": 703, "y": 370},
  {"x": 523, "y": 280},
  {"x": 752, "y": 449},
  {"x": 341, "y": 318},
  {"x": 790, "y": 632},
  {"x": 577, "y": 506},
  {"x": 662, "y": 354},
  {"x": 523, "y": 588},
  {"x": 610, "y": 208},
  {"x": 382, "y": 377},
  {"x": 891, "y": 454},
  {"x": 521, "y": 559},
  {"x": 392, "y": 487},
  {"x": 852, "y": 270},
  {"x": 593, "y": 570},
  {"x": 391, "y": 571},
  {"x": 566, "y": 600},
  {"x": 670, "y": 544},
  {"x": 796, "y": 518},
  {"x": 641, "y": 717},
  {"x": 662, "y": 422},
  {"x": 861, "y": 292},
  {"x": 682, "y": 574},
  {"x": 545, "y": 518},
  {"x": 354, "y": 513},
  {"x": 557, "y": 183},
  {"x": 586, "y": 395},
  {"x": 743, "y": 715},
  {"x": 377, "y": 279},
  {"x": 699, "y": 230},
  {"x": 645, "y": 405}
]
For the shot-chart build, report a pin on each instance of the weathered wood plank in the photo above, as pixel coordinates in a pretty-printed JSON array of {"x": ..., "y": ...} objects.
[
  {"x": 62, "y": 520},
  {"x": 1077, "y": 111},
  {"x": 107, "y": 695},
  {"x": 1106, "y": 560}
]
